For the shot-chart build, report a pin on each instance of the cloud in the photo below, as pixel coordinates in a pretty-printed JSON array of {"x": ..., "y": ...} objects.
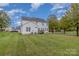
[
  {"x": 59, "y": 9},
  {"x": 4, "y": 4},
  {"x": 17, "y": 17},
  {"x": 60, "y": 13},
  {"x": 18, "y": 23},
  {"x": 56, "y": 6},
  {"x": 1, "y": 9},
  {"x": 15, "y": 14},
  {"x": 59, "y": 6},
  {"x": 13, "y": 11},
  {"x": 35, "y": 6}
]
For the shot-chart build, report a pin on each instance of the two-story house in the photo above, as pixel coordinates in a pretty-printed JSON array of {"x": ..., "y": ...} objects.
[{"x": 33, "y": 25}]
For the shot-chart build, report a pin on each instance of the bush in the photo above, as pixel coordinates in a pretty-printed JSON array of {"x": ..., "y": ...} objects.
[{"x": 41, "y": 32}]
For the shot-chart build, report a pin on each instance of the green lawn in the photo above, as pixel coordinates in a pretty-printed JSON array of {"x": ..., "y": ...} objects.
[{"x": 43, "y": 44}]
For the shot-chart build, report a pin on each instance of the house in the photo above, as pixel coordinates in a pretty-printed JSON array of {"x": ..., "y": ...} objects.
[
  {"x": 32, "y": 25},
  {"x": 8, "y": 29},
  {"x": 13, "y": 29}
]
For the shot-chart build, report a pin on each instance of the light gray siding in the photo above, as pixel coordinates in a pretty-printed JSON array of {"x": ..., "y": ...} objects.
[{"x": 33, "y": 27}]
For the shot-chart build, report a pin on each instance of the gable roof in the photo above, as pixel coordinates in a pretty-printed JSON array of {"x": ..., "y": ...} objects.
[{"x": 33, "y": 19}]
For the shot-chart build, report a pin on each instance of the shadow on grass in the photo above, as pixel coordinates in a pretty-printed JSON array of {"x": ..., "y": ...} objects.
[{"x": 67, "y": 33}]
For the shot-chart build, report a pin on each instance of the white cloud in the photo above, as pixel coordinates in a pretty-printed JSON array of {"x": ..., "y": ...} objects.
[
  {"x": 18, "y": 23},
  {"x": 16, "y": 11},
  {"x": 13, "y": 11},
  {"x": 1, "y": 9},
  {"x": 57, "y": 6},
  {"x": 60, "y": 13},
  {"x": 17, "y": 17},
  {"x": 59, "y": 9},
  {"x": 4, "y": 4},
  {"x": 35, "y": 6}
]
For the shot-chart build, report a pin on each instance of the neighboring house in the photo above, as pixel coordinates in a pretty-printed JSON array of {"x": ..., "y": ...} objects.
[
  {"x": 8, "y": 29},
  {"x": 16, "y": 29},
  {"x": 32, "y": 25},
  {"x": 13, "y": 29}
]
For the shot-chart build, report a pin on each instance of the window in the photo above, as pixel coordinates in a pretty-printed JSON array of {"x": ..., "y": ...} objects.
[
  {"x": 38, "y": 29},
  {"x": 35, "y": 27},
  {"x": 46, "y": 29},
  {"x": 28, "y": 29},
  {"x": 41, "y": 29},
  {"x": 42, "y": 23}
]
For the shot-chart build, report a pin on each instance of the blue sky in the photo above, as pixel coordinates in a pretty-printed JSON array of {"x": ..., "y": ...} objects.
[{"x": 40, "y": 10}]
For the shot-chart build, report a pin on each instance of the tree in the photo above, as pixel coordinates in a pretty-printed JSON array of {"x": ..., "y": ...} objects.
[
  {"x": 53, "y": 23},
  {"x": 4, "y": 20},
  {"x": 66, "y": 23},
  {"x": 75, "y": 16},
  {"x": 63, "y": 24}
]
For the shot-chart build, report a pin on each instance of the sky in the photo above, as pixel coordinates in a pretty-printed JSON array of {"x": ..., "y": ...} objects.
[{"x": 39, "y": 10}]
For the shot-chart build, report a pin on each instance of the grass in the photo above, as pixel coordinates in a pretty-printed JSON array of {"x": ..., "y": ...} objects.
[{"x": 16, "y": 44}]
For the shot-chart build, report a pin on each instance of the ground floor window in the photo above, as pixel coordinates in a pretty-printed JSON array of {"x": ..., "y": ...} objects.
[
  {"x": 42, "y": 29},
  {"x": 46, "y": 29},
  {"x": 28, "y": 29}
]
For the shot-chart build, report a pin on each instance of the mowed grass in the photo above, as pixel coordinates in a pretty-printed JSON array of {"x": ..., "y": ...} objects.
[{"x": 16, "y": 44}]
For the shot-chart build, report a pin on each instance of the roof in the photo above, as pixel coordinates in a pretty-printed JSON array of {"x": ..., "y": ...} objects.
[{"x": 33, "y": 19}]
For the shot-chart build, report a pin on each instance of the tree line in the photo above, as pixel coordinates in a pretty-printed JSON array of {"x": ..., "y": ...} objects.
[{"x": 68, "y": 22}]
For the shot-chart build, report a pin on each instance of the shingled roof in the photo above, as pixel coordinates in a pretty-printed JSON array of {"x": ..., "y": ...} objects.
[{"x": 33, "y": 19}]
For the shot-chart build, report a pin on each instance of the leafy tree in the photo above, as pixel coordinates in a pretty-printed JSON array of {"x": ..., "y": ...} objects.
[
  {"x": 53, "y": 23},
  {"x": 66, "y": 22},
  {"x": 4, "y": 20},
  {"x": 75, "y": 16}
]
